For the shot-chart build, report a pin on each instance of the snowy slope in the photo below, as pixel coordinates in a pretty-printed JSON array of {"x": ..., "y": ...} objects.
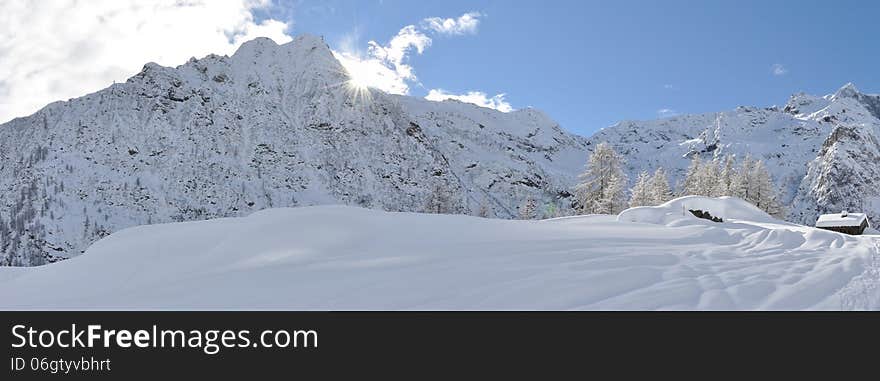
[
  {"x": 334, "y": 257},
  {"x": 785, "y": 142},
  {"x": 822, "y": 151},
  {"x": 270, "y": 126}
]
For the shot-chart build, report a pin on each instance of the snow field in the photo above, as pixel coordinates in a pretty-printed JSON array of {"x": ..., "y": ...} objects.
[{"x": 345, "y": 258}]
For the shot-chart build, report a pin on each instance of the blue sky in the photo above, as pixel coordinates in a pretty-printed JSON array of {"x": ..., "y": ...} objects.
[{"x": 589, "y": 64}]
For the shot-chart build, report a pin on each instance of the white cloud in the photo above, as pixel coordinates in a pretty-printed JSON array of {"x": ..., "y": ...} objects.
[
  {"x": 476, "y": 97},
  {"x": 55, "y": 50},
  {"x": 398, "y": 49},
  {"x": 779, "y": 69},
  {"x": 464, "y": 24},
  {"x": 666, "y": 112},
  {"x": 670, "y": 87},
  {"x": 373, "y": 72},
  {"x": 384, "y": 66}
]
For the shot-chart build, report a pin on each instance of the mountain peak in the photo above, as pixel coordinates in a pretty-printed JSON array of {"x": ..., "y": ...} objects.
[
  {"x": 257, "y": 45},
  {"x": 306, "y": 40},
  {"x": 260, "y": 45},
  {"x": 303, "y": 51},
  {"x": 848, "y": 90}
]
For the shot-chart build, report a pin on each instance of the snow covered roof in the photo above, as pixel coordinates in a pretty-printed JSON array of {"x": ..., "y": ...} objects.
[{"x": 840, "y": 219}]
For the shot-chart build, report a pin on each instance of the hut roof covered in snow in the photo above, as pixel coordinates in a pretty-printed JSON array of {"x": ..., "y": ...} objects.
[{"x": 841, "y": 219}]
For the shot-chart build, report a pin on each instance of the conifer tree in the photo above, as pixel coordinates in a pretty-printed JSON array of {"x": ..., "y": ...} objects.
[
  {"x": 660, "y": 192},
  {"x": 438, "y": 201},
  {"x": 529, "y": 209},
  {"x": 740, "y": 182},
  {"x": 4, "y": 235},
  {"x": 602, "y": 187},
  {"x": 707, "y": 178},
  {"x": 763, "y": 191},
  {"x": 725, "y": 177},
  {"x": 641, "y": 194},
  {"x": 485, "y": 210},
  {"x": 689, "y": 184}
]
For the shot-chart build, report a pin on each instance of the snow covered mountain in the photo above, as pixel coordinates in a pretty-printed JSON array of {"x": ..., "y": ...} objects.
[
  {"x": 281, "y": 125},
  {"x": 269, "y": 126},
  {"x": 846, "y": 173},
  {"x": 822, "y": 151}
]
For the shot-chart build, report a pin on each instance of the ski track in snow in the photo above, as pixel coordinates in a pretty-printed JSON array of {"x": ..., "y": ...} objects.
[
  {"x": 863, "y": 292},
  {"x": 344, "y": 258}
]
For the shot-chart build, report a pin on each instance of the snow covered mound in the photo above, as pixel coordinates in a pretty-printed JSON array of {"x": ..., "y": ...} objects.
[
  {"x": 342, "y": 258},
  {"x": 726, "y": 208}
]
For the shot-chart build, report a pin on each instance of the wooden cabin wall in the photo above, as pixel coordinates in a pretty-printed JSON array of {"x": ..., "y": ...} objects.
[{"x": 851, "y": 230}]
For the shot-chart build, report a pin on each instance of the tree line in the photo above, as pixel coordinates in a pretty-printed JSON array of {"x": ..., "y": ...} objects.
[{"x": 602, "y": 187}]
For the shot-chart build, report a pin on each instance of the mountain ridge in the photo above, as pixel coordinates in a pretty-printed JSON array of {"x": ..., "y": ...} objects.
[{"x": 269, "y": 126}]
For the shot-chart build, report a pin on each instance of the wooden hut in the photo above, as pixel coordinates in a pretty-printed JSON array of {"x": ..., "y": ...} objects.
[{"x": 844, "y": 222}]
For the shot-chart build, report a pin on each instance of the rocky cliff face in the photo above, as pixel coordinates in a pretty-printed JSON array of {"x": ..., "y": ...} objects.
[
  {"x": 270, "y": 126},
  {"x": 846, "y": 173}
]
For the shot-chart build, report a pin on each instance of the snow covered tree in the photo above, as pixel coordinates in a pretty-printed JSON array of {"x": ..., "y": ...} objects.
[
  {"x": 4, "y": 236},
  {"x": 439, "y": 201},
  {"x": 641, "y": 191},
  {"x": 725, "y": 177},
  {"x": 85, "y": 223},
  {"x": 528, "y": 210},
  {"x": 701, "y": 178},
  {"x": 740, "y": 182},
  {"x": 614, "y": 199},
  {"x": 659, "y": 187},
  {"x": 707, "y": 178},
  {"x": 689, "y": 184},
  {"x": 485, "y": 210},
  {"x": 602, "y": 187},
  {"x": 763, "y": 192},
  {"x": 752, "y": 182}
]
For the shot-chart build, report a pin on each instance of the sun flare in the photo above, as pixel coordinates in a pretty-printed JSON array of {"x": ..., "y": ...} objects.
[
  {"x": 358, "y": 82},
  {"x": 358, "y": 85}
]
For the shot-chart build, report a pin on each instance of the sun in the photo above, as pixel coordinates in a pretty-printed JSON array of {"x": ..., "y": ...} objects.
[
  {"x": 359, "y": 78},
  {"x": 357, "y": 81},
  {"x": 358, "y": 85}
]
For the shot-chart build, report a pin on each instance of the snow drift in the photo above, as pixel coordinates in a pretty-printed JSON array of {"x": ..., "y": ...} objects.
[
  {"x": 344, "y": 258},
  {"x": 726, "y": 208}
]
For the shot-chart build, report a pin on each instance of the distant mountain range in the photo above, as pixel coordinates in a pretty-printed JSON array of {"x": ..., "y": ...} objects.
[{"x": 280, "y": 125}]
